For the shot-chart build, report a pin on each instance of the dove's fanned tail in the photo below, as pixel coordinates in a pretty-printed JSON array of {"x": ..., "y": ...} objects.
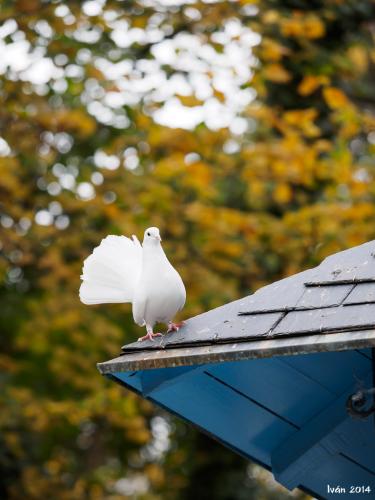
[{"x": 111, "y": 272}]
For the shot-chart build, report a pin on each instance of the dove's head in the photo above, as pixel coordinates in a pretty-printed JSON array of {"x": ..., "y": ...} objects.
[{"x": 152, "y": 236}]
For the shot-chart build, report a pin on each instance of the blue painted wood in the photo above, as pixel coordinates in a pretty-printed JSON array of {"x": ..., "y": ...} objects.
[
  {"x": 133, "y": 379},
  {"x": 120, "y": 378},
  {"x": 164, "y": 377},
  {"x": 278, "y": 386},
  {"x": 365, "y": 352},
  {"x": 357, "y": 441},
  {"x": 225, "y": 414},
  {"x": 253, "y": 406},
  {"x": 310, "y": 444},
  {"x": 332, "y": 370},
  {"x": 337, "y": 470}
]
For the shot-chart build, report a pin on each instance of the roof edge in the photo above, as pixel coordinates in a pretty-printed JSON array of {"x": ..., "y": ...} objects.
[{"x": 236, "y": 351}]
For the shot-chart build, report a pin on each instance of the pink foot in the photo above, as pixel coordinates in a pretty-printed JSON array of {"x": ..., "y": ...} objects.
[
  {"x": 150, "y": 336},
  {"x": 174, "y": 327}
]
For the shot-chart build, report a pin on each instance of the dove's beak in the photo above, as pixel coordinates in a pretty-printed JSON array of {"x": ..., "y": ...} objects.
[{"x": 159, "y": 238}]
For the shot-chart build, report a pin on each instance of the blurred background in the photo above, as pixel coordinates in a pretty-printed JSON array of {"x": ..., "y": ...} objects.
[{"x": 244, "y": 129}]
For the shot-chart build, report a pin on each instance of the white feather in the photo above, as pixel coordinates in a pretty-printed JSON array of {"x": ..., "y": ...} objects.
[
  {"x": 160, "y": 292},
  {"x": 121, "y": 270},
  {"x": 110, "y": 274}
]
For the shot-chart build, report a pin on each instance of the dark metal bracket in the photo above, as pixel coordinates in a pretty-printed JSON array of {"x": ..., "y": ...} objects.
[{"x": 357, "y": 405}]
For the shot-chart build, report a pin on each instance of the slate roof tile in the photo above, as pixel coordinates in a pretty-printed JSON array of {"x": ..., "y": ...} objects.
[
  {"x": 199, "y": 328},
  {"x": 279, "y": 296},
  {"x": 361, "y": 316},
  {"x": 362, "y": 293},
  {"x": 338, "y": 295},
  {"x": 350, "y": 266},
  {"x": 228, "y": 329},
  {"x": 323, "y": 296}
]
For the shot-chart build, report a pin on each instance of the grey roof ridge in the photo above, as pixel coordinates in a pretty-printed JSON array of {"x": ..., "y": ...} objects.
[
  {"x": 237, "y": 351},
  {"x": 274, "y": 301},
  {"x": 160, "y": 347}
]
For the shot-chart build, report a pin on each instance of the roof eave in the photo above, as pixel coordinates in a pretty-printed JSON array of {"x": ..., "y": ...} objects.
[{"x": 236, "y": 351}]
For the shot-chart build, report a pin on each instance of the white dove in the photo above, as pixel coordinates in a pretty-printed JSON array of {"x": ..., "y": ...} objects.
[{"x": 120, "y": 269}]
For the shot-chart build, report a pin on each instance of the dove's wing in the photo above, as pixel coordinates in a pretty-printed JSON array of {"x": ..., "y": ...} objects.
[
  {"x": 160, "y": 291},
  {"x": 139, "y": 307},
  {"x": 111, "y": 272}
]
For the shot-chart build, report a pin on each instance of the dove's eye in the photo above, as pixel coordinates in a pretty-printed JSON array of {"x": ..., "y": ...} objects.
[{"x": 148, "y": 234}]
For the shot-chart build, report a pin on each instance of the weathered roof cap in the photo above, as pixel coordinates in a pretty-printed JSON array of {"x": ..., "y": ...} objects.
[{"x": 291, "y": 315}]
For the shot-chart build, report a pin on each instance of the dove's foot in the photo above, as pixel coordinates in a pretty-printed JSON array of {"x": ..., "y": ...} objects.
[
  {"x": 150, "y": 336},
  {"x": 174, "y": 327}
]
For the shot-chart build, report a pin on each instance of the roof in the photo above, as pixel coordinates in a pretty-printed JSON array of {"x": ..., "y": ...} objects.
[
  {"x": 315, "y": 310},
  {"x": 233, "y": 373}
]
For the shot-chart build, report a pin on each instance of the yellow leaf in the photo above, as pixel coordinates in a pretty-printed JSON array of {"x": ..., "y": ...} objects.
[
  {"x": 72, "y": 120},
  {"x": 303, "y": 27},
  {"x": 270, "y": 17},
  {"x": 189, "y": 100},
  {"x": 277, "y": 73},
  {"x": 198, "y": 176},
  {"x": 273, "y": 51},
  {"x": 335, "y": 98},
  {"x": 282, "y": 193},
  {"x": 303, "y": 120},
  {"x": 313, "y": 27},
  {"x": 299, "y": 117},
  {"x": 292, "y": 27},
  {"x": 358, "y": 56},
  {"x": 310, "y": 83}
]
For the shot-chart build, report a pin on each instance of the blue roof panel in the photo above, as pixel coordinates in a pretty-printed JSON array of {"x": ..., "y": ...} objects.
[
  {"x": 287, "y": 413},
  {"x": 261, "y": 406}
]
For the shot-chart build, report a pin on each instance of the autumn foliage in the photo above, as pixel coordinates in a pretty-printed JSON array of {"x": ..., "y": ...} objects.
[{"x": 83, "y": 155}]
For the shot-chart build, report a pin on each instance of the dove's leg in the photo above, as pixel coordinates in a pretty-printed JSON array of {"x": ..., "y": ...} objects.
[
  {"x": 150, "y": 334},
  {"x": 174, "y": 327}
]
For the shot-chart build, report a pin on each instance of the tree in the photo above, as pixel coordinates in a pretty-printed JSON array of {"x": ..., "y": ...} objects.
[{"x": 241, "y": 201}]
